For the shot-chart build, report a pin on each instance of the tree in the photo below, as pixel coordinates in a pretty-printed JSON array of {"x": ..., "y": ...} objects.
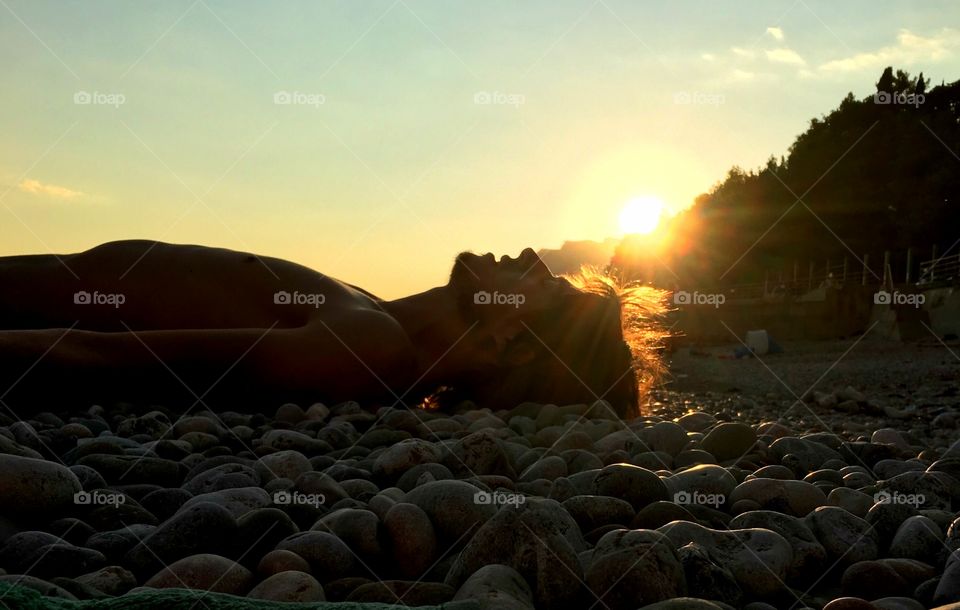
[
  {"x": 876, "y": 178},
  {"x": 886, "y": 80}
]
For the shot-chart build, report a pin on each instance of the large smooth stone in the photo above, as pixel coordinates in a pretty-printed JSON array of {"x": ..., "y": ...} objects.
[
  {"x": 591, "y": 512},
  {"x": 35, "y": 488},
  {"x": 808, "y": 554},
  {"x": 539, "y": 540},
  {"x": 918, "y": 538},
  {"x": 454, "y": 507},
  {"x": 328, "y": 556},
  {"x": 403, "y": 456},
  {"x": 811, "y": 454},
  {"x": 132, "y": 469},
  {"x": 636, "y": 485},
  {"x": 413, "y": 541},
  {"x": 665, "y": 436},
  {"x": 287, "y": 464},
  {"x": 497, "y": 587},
  {"x": 479, "y": 453},
  {"x": 948, "y": 589},
  {"x": 291, "y": 586},
  {"x": 205, "y": 572},
  {"x": 203, "y": 528},
  {"x": 797, "y": 498},
  {"x": 238, "y": 501},
  {"x": 758, "y": 558},
  {"x": 631, "y": 568},
  {"x": 360, "y": 529},
  {"x": 703, "y": 480},
  {"x": 112, "y": 580},
  {"x": 846, "y": 537},
  {"x": 729, "y": 441},
  {"x": 707, "y": 579}
]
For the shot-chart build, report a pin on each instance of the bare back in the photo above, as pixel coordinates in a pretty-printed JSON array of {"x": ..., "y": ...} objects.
[{"x": 145, "y": 285}]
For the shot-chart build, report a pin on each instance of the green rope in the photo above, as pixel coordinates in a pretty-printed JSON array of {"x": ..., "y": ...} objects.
[{"x": 24, "y": 598}]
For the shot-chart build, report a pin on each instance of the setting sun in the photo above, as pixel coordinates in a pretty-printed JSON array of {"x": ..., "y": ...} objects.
[{"x": 641, "y": 215}]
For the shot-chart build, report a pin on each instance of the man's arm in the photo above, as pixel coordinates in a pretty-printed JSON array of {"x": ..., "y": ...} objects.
[{"x": 359, "y": 356}]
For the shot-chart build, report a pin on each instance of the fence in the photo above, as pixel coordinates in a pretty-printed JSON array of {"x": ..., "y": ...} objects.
[{"x": 936, "y": 272}]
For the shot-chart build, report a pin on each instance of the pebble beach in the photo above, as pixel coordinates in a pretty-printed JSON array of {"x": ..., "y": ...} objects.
[{"x": 714, "y": 497}]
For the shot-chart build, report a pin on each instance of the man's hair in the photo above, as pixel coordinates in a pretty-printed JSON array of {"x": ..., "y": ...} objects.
[{"x": 642, "y": 311}]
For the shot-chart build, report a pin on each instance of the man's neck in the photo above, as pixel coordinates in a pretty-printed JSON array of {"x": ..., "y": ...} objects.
[{"x": 433, "y": 322}]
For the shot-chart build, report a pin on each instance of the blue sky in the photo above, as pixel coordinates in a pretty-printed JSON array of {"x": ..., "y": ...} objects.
[{"x": 416, "y": 128}]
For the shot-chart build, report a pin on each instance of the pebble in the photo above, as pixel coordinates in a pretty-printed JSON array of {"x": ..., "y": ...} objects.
[
  {"x": 797, "y": 498},
  {"x": 636, "y": 485},
  {"x": 479, "y": 453},
  {"x": 238, "y": 500},
  {"x": 809, "y": 555},
  {"x": 538, "y": 539},
  {"x": 358, "y": 528},
  {"x": 278, "y": 560},
  {"x": 403, "y": 456},
  {"x": 846, "y": 537},
  {"x": 112, "y": 580},
  {"x": 918, "y": 537},
  {"x": 700, "y": 505},
  {"x": 496, "y": 587},
  {"x": 697, "y": 421},
  {"x": 632, "y": 568},
  {"x": 287, "y": 464},
  {"x": 413, "y": 541},
  {"x": 758, "y": 558},
  {"x": 948, "y": 588},
  {"x": 591, "y": 512},
  {"x": 205, "y": 572},
  {"x": 705, "y": 578},
  {"x": 328, "y": 556},
  {"x": 454, "y": 507},
  {"x": 729, "y": 441},
  {"x": 289, "y": 587},
  {"x": 869, "y": 579},
  {"x": 203, "y": 528},
  {"x": 704, "y": 479},
  {"x": 35, "y": 487}
]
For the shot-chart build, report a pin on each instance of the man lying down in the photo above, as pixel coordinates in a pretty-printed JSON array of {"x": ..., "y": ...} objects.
[{"x": 145, "y": 321}]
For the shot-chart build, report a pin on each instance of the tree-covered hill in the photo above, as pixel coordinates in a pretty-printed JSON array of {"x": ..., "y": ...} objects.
[{"x": 877, "y": 173}]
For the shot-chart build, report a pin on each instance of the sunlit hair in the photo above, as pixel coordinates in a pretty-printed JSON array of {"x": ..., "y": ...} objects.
[{"x": 642, "y": 311}]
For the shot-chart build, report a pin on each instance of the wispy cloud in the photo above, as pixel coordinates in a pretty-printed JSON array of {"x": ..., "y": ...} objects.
[
  {"x": 775, "y": 32},
  {"x": 910, "y": 49},
  {"x": 785, "y": 56},
  {"x": 35, "y": 187}
]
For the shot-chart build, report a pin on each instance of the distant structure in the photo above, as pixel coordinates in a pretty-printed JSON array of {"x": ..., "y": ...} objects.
[{"x": 574, "y": 254}]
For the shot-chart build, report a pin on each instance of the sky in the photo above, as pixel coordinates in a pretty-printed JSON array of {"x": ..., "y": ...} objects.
[{"x": 374, "y": 140}]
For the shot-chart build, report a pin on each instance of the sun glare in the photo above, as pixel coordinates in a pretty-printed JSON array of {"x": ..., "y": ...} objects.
[{"x": 641, "y": 215}]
